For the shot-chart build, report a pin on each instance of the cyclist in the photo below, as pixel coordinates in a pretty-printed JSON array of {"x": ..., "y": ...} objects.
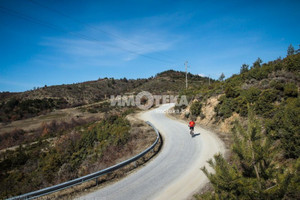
[{"x": 192, "y": 125}]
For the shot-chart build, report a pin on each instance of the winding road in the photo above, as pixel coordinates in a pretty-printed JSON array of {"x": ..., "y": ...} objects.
[{"x": 173, "y": 174}]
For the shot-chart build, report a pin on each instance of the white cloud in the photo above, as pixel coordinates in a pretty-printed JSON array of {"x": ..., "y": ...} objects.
[{"x": 116, "y": 47}]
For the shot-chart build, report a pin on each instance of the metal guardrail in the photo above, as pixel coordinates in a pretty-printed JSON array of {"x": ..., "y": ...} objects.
[{"x": 95, "y": 175}]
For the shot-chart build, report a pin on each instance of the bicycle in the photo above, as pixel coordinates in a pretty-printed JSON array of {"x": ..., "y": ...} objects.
[{"x": 192, "y": 131}]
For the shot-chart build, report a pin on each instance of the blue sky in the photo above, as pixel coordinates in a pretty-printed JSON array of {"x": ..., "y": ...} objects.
[{"x": 54, "y": 42}]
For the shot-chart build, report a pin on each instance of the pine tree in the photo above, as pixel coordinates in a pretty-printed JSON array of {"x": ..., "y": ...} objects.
[
  {"x": 257, "y": 63},
  {"x": 298, "y": 50},
  {"x": 244, "y": 68},
  {"x": 222, "y": 76},
  {"x": 254, "y": 151},
  {"x": 252, "y": 173},
  {"x": 291, "y": 50}
]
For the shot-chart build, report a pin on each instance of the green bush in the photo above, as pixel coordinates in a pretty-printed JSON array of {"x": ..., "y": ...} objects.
[
  {"x": 277, "y": 85},
  {"x": 252, "y": 94},
  {"x": 226, "y": 107},
  {"x": 196, "y": 108},
  {"x": 242, "y": 108},
  {"x": 292, "y": 63},
  {"x": 264, "y": 104},
  {"x": 290, "y": 90},
  {"x": 285, "y": 125},
  {"x": 231, "y": 92}
]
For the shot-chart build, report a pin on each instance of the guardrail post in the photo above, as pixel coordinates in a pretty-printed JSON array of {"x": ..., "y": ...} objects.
[
  {"x": 134, "y": 163},
  {"x": 96, "y": 181}
]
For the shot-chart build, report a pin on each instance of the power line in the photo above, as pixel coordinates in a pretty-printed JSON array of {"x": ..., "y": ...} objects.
[
  {"x": 82, "y": 36},
  {"x": 88, "y": 25}
]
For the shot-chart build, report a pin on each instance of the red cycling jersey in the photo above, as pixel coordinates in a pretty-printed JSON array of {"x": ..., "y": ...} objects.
[{"x": 191, "y": 124}]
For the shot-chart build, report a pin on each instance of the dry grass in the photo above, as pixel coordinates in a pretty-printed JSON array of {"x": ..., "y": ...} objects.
[
  {"x": 143, "y": 136},
  {"x": 59, "y": 115}
]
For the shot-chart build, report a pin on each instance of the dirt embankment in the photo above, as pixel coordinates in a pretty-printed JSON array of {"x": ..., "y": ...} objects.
[
  {"x": 208, "y": 110},
  {"x": 208, "y": 120}
]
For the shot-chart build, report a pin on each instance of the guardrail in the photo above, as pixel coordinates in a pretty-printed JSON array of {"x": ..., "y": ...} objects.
[{"x": 95, "y": 175}]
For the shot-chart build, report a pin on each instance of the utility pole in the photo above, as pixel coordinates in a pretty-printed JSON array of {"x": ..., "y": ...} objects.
[
  {"x": 208, "y": 79},
  {"x": 186, "y": 81}
]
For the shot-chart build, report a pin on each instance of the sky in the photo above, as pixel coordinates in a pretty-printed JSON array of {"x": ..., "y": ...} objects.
[{"x": 53, "y": 42}]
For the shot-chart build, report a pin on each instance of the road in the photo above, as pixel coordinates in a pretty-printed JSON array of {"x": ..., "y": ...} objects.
[{"x": 173, "y": 174}]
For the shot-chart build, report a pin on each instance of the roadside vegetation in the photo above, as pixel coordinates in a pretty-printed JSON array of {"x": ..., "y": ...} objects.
[
  {"x": 257, "y": 169},
  {"x": 264, "y": 161},
  {"x": 67, "y": 151}
]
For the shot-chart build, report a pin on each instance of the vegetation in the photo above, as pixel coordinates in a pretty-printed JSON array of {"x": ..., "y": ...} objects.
[
  {"x": 261, "y": 87},
  {"x": 95, "y": 108},
  {"x": 265, "y": 154},
  {"x": 17, "y": 106},
  {"x": 15, "y": 109},
  {"x": 44, "y": 132},
  {"x": 170, "y": 81},
  {"x": 222, "y": 76},
  {"x": 285, "y": 127},
  {"x": 253, "y": 172},
  {"x": 196, "y": 108},
  {"x": 74, "y": 152},
  {"x": 290, "y": 50}
]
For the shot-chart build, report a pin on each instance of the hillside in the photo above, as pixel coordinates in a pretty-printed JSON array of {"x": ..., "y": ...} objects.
[
  {"x": 16, "y": 106},
  {"x": 259, "y": 111},
  {"x": 45, "y": 142},
  {"x": 171, "y": 82}
]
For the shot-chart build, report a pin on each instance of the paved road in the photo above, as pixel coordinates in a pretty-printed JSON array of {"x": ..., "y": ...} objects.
[{"x": 175, "y": 173}]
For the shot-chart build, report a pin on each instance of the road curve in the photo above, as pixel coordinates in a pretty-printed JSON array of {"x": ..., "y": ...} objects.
[{"x": 175, "y": 173}]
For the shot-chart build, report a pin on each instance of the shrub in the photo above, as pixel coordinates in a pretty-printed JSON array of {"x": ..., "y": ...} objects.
[
  {"x": 277, "y": 85},
  {"x": 292, "y": 63},
  {"x": 253, "y": 171},
  {"x": 15, "y": 109},
  {"x": 42, "y": 165},
  {"x": 226, "y": 107},
  {"x": 231, "y": 92},
  {"x": 290, "y": 90},
  {"x": 252, "y": 94},
  {"x": 242, "y": 108},
  {"x": 264, "y": 104},
  {"x": 285, "y": 126},
  {"x": 196, "y": 108}
]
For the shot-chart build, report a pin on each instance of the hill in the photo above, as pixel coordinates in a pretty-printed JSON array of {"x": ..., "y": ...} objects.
[
  {"x": 16, "y": 106},
  {"x": 44, "y": 143},
  {"x": 259, "y": 109}
]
